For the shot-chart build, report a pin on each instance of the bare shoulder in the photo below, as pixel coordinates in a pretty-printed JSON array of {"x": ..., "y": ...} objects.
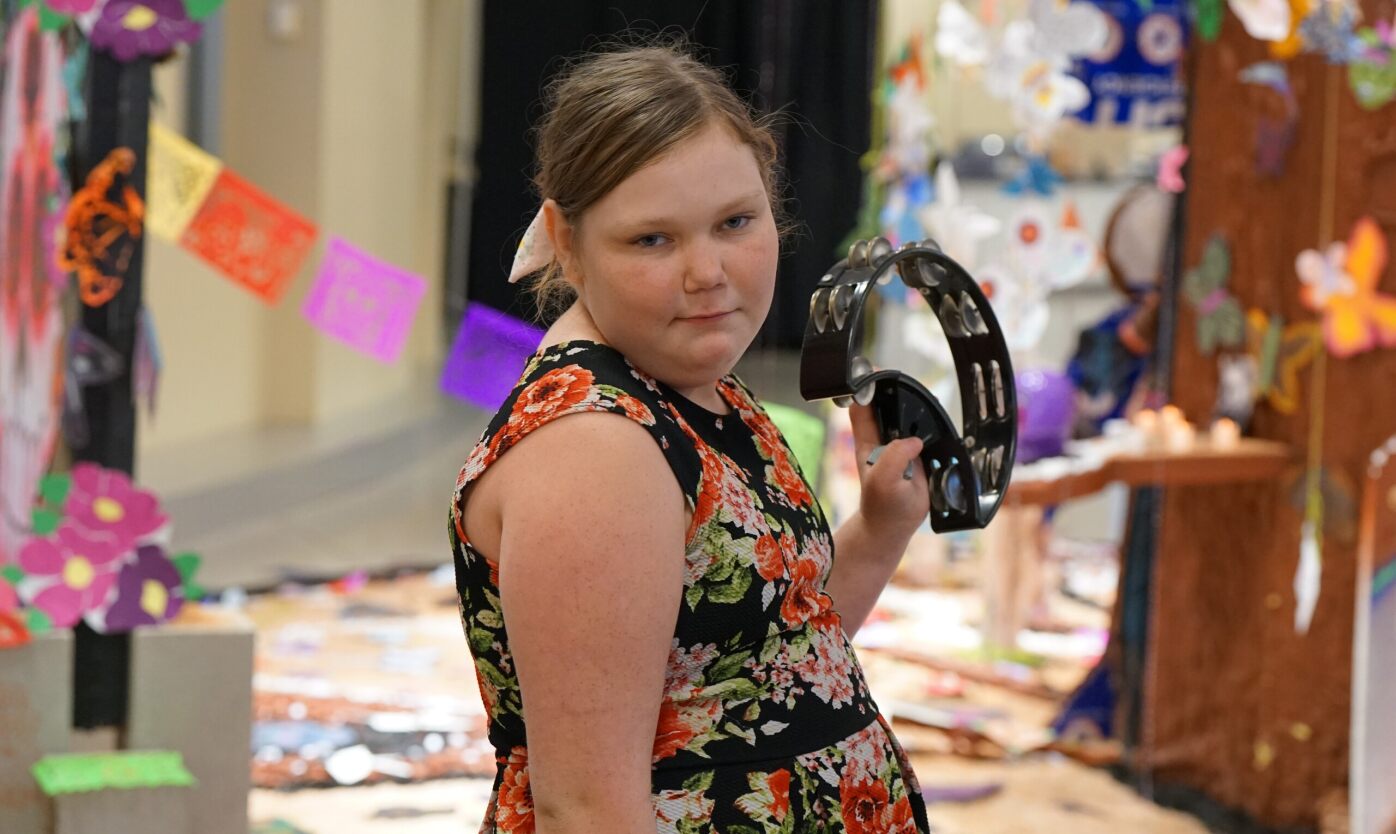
[{"x": 577, "y": 470}]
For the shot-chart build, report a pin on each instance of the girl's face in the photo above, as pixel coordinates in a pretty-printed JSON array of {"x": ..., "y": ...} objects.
[{"x": 676, "y": 265}]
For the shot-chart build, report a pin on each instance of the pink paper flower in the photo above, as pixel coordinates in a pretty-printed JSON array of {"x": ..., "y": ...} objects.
[
  {"x": 9, "y": 600},
  {"x": 69, "y": 573},
  {"x": 1170, "y": 169},
  {"x": 70, "y": 7},
  {"x": 104, "y": 503}
]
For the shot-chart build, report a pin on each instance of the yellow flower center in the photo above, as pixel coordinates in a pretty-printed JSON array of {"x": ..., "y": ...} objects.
[
  {"x": 154, "y": 598},
  {"x": 108, "y": 510},
  {"x": 78, "y": 573},
  {"x": 139, "y": 19}
]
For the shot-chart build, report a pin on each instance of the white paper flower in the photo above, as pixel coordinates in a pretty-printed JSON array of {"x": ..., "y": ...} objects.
[
  {"x": 1325, "y": 274},
  {"x": 960, "y": 36},
  {"x": 958, "y": 228},
  {"x": 1266, "y": 20}
]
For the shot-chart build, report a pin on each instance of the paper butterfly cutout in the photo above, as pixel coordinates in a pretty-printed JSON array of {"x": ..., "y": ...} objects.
[
  {"x": 91, "y": 361},
  {"x": 1341, "y": 282},
  {"x": 1220, "y": 322},
  {"x": 1280, "y": 352},
  {"x": 103, "y": 220},
  {"x": 1170, "y": 169}
]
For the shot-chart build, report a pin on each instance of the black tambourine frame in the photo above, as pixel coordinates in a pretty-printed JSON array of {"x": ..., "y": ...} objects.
[{"x": 969, "y": 471}]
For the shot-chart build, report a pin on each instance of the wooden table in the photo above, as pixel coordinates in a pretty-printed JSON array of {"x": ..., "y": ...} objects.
[{"x": 1203, "y": 463}]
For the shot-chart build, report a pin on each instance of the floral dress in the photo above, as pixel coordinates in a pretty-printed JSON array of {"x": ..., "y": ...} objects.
[{"x": 766, "y": 723}]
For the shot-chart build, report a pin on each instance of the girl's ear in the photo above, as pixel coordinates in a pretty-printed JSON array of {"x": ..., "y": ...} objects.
[{"x": 561, "y": 233}]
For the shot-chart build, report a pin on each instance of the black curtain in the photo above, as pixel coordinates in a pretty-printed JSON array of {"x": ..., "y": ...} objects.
[{"x": 811, "y": 60}]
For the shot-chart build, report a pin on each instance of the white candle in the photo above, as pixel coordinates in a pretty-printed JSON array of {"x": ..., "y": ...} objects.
[{"x": 1225, "y": 434}]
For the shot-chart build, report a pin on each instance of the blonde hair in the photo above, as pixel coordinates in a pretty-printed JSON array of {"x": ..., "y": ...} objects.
[{"x": 611, "y": 113}]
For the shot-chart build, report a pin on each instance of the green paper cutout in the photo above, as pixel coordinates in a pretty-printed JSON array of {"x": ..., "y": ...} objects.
[
  {"x": 51, "y": 21},
  {"x": 200, "y": 9},
  {"x": 12, "y": 573},
  {"x": 45, "y": 522},
  {"x": 187, "y": 564},
  {"x": 804, "y": 434},
  {"x": 193, "y": 591},
  {"x": 55, "y": 488},
  {"x": 1220, "y": 322},
  {"x": 1373, "y": 84},
  {"x": 69, "y": 773},
  {"x": 37, "y": 622},
  {"x": 1208, "y": 17}
]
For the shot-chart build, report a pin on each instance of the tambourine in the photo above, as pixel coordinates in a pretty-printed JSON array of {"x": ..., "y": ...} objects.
[{"x": 969, "y": 470}]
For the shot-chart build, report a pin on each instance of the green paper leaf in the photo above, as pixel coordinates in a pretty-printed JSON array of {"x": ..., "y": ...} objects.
[
  {"x": 51, "y": 21},
  {"x": 55, "y": 488},
  {"x": 1208, "y": 15},
  {"x": 82, "y": 772},
  {"x": 37, "y": 621},
  {"x": 45, "y": 522},
  {"x": 187, "y": 564},
  {"x": 193, "y": 591},
  {"x": 200, "y": 9},
  {"x": 12, "y": 573},
  {"x": 1373, "y": 84}
]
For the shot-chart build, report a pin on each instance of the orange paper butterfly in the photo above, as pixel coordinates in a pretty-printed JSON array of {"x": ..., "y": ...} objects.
[{"x": 1341, "y": 282}]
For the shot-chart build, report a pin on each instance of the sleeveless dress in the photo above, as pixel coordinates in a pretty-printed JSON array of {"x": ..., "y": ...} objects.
[{"x": 766, "y": 723}]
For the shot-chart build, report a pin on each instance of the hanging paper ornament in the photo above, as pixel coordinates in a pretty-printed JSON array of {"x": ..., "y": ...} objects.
[
  {"x": 1208, "y": 16},
  {"x": 487, "y": 356},
  {"x": 1266, "y": 20},
  {"x": 1237, "y": 388},
  {"x": 104, "y": 219},
  {"x": 1280, "y": 352},
  {"x": 1220, "y": 322},
  {"x": 363, "y": 302},
  {"x": 250, "y": 237},
  {"x": 1035, "y": 177},
  {"x": 960, "y": 37},
  {"x": 1329, "y": 30},
  {"x": 1308, "y": 577},
  {"x": 147, "y": 362},
  {"x": 1372, "y": 74},
  {"x": 129, "y": 29},
  {"x": 1339, "y": 504},
  {"x": 90, "y": 361},
  {"x": 33, "y": 122},
  {"x": 1274, "y": 136},
  {"x": 179, "y": 175},
  {"x": 1170, "y": 169},
  {"x": 958, "y": 228}
]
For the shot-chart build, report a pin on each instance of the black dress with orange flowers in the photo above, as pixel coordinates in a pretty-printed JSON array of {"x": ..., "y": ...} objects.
[{"x": 766, "y": 723}]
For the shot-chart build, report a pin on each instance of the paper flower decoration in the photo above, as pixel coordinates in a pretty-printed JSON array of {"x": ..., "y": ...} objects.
[
  {"x": 1329, "y": 31},
  {"x": 131, "y": 28},
  {"x": 1372, "y": 74},
  {"x": 1220, "y": 322},
  {"x": 960, "y": 36},
  {"x": 1266, "y": 20},
  {"x": 1170, "y": 169},
  {"x": 1341, "y": 282},
  {"x": 12, "y": 631},
  {"x": 958, "y": 228},
  {"x": 1280, "y": 352},
  {"x": 105, "y": 504},
  {"x": 149, "y": 590},
  {"x": 9, "y": 600},
  {"x": 68, "y": 574}
]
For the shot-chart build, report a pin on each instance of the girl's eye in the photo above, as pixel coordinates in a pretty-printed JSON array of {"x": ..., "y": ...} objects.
[
  {"x": 649, "y": 241},
  {"x": 737, "y": 222}
]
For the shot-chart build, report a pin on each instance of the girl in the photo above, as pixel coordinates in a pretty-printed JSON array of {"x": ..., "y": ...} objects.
[{"x": 649, "y": 589}]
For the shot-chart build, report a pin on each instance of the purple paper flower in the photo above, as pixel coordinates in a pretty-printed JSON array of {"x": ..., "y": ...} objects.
[
  {"x": 68, "y": 574},
  {"x": 148, "y": 591},
  {"x": 105, "y": 504},
  {"x": 129, "y": 28}
]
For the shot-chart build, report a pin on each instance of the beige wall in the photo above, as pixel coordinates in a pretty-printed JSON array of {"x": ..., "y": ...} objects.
[{"x": 348, "y": 121}]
